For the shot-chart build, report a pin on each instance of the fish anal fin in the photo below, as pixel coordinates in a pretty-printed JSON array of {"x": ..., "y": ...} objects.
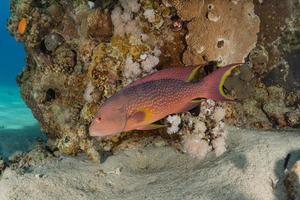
[{"x": 193, "y": 75}]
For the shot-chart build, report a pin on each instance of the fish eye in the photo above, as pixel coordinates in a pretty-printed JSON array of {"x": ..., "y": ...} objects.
[{"x": 98, "y": 119}]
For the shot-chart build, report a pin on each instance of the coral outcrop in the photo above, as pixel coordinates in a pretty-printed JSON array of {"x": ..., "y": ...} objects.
[
  {"x": 292, "y": 182},
  {"x": 216, "y": 28},
  {"x": 274, "y": 100},
  {"x": 81, "y": 52},
  {"x": 2, "y": 165}
]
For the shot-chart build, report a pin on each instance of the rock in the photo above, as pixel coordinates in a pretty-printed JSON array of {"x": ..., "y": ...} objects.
[
  {"x": 2, "y": 165},
  {"x": 212, "y": 30},
  {"x": 52, "y": 41},
  {"x": 292, "y": 182},
  {"x": 99, "y": 25},
  {"x": 16, "y": 156}
]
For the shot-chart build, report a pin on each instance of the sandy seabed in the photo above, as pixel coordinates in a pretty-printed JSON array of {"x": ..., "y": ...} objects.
[{"x": 251, "y": 169}]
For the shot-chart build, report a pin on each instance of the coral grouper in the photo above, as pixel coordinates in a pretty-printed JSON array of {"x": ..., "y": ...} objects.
[{"x": 139, "y": 105}]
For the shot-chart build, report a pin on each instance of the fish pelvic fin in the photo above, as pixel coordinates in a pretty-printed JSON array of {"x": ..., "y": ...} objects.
[
  {"x": 211, "y": 87},
  {"x": 152, "y": 126},
  {"x": 197, "y": 100}
]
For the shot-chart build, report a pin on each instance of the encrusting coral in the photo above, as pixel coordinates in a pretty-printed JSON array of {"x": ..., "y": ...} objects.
[
  {"x": 2, "y": 165},
  {"x": 81, "y": 52},
  {"x": 216, "y": 27},
  {"x": 292, "y": 182}
]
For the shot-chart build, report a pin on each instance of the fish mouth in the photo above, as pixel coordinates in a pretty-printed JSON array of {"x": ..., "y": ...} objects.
[
  {"x": 93, "y": 133},
  {"x": 100, "y": 133}
]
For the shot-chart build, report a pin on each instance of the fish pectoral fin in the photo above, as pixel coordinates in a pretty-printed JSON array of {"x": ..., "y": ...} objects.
[
  {"x": 193, "y": 75},
  {"x": 138, "y": 116},
  {"x": 152, "y": 126}
]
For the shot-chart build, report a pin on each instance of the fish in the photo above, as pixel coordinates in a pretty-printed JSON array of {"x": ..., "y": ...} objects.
[
  {"x": 142, "y": 103},
  {"x": 22, "y": 25},
  {"x": 182, "y": 73}
]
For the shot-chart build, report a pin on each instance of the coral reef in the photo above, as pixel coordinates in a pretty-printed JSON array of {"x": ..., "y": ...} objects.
[
  {"x": 81, "y": 52},
  {"x": 292, "y": 182},
  {"x": 274, "y": 100},
  {"x": 205, "y": 132},
  {"x": 216, "y": 27},
  {"x": 2, "y": 165}
]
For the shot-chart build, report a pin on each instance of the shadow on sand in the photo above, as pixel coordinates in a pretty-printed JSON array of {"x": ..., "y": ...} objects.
[{"x": 12, "y": 140}]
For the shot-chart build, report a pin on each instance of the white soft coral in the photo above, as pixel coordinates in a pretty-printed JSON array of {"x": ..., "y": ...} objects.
[
  {"x": 123, "y": 20},
  {"x": 195, "y": 146},
  {"x": 175, "y": 121},
  {"x": 131, "y": 69},
  {"x": 131, "y": 5},
  {"x": 205, "y": 132},
  {"x": 150, "y": 62},
  {"x": 149, "y": 15}
]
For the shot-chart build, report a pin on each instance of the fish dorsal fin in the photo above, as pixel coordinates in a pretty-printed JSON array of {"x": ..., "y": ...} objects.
[
  {"x": 193, "y": 75},
  {"x": 151, "y": 126}
]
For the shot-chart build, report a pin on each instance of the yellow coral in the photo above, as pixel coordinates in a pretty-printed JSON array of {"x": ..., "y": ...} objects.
[
  {"x": 124, "y": 46},
  {"x": 103, "y": 70}
]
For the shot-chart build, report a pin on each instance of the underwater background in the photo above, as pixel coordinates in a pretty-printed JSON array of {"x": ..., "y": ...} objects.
[
  {"x": 62, "y": 60},
  {"x": 12, "y": 53},
  {"x": 18, "y": 128}
]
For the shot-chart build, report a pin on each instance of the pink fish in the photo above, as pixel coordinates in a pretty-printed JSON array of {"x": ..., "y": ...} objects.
[
  {"x": 181, "y": 73},
  {"x": 143, "y": 102}
]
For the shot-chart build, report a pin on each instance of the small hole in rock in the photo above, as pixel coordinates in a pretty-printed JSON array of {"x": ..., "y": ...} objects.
[
  {"x": 50, "y": 95},
  {"x": 204, "y": 57},
  {"x": 220, "y": 43},
  {"x": 175, "y": 17},
  {"x": 210, "y": 6},
  {"x": 67, "y": 139},
  {"x": 210, "y": 67},
  {"x": 43, "y": 47},
  {"x": 206, "y": 15}
]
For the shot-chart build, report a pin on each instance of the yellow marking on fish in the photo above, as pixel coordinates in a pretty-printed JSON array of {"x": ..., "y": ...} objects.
[
  {"x": 22, "y": 25},
  {"x": 222, "y": 81},
  {"x": 193, "y": 74}
]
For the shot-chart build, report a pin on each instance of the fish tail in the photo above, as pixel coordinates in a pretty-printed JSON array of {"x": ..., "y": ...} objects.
[{"x": 211, "y": 87}]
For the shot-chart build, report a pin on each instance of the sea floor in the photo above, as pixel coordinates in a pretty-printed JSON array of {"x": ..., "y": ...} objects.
[
  {"x": 253, "y": 167},
  {"x": 18, "y": 128}
]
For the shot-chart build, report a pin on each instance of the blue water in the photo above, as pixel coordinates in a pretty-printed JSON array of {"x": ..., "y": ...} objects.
[
  {"x": 12, "y": 54},
  {"x": 18, "y": 128}
]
